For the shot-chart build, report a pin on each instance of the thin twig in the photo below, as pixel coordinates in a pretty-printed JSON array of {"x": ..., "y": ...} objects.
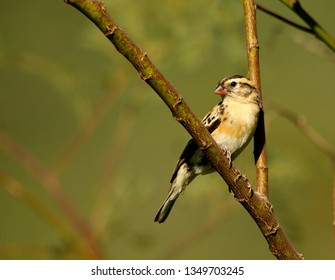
[
  {"x": 281, "y": 18},
  {"x": 317, "y": 30}
]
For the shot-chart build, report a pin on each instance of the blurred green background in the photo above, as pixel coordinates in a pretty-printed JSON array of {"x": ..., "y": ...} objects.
[{"x": 87, "y": 148}]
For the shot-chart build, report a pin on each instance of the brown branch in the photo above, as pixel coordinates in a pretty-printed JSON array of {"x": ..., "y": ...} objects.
[
  {"x": 255, "y": 203},
  {"x": 254, "y": 75}
]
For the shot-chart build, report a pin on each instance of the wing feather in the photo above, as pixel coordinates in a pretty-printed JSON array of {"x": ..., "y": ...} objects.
[{"x": 211, "y": 122}]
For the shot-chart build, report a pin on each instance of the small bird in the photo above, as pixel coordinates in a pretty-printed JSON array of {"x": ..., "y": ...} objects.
[{"x": 232, "y": 123}]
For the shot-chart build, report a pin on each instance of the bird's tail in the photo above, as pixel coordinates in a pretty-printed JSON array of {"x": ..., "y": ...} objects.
[
  {"x": 167, "y": 205},
  {"x": 180, "y": 179}
]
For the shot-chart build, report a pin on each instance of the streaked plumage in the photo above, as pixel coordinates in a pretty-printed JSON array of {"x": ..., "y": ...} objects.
[{"x": 232, "y": 123}]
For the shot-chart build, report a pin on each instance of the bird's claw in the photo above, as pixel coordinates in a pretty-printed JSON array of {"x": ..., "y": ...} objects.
[{"x": 228, "y": 155}]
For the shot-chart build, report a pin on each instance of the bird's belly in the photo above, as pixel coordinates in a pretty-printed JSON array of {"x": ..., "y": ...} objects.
[
  {"x": 231, "y": 143},
  {"x": 233, "y": 138}
]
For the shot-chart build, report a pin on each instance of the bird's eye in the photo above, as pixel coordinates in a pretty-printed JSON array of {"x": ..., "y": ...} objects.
[{"x": 233, "y": 84}]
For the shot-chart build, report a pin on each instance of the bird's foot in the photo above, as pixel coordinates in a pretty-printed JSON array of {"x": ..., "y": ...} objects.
[{"x": 228, "y": 155}]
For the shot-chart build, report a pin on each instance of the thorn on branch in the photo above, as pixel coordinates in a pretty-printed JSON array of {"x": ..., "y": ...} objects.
[
  {"x": 179, "y": 100},
  {"x": 205, "y": 145},
  {"x": 263, "y": 167},
  {"x": 142, "y": 60},
  {"x": 146, "y": 77},
  {"x": 228, "y": 155},
  {"x": 245, "y": 179},
  {"x": 250, "y": 190},
  {"x": 110, "y": 31},
  {"x": 238, "y": 176},
  {"x": 179, "y": 119},
  {"x": 272, "y": 230},
  {"x": 253, "y": 46},
  {"x": 144, "y": 56}
]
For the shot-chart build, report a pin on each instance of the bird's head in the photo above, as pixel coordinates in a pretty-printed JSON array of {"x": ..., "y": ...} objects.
[{"x": 238, "y": 87}]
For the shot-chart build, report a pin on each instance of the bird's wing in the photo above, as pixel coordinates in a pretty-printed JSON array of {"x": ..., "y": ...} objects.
[
  {"x": 212, "y": 119},
  {"x": 211, "y": 122}
]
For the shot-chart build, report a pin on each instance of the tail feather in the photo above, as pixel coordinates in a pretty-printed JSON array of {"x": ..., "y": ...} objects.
[
  {"x": 181, "y": 178},
  {"x": 165, "y": 210}
]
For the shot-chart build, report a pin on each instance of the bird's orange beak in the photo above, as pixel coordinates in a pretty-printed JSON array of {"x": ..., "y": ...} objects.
[{"x": 220, "y": 91}]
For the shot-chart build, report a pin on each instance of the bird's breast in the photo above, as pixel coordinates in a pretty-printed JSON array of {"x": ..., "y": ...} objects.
[{"x": 237, "y": 126}]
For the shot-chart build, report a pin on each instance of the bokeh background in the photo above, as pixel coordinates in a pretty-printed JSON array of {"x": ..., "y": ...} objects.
[{"x": 87, "y": 148}]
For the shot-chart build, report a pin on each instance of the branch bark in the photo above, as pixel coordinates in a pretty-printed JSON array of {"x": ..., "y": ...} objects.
[
  {"x": 255, "y": 203},
  {"x": 254, "y": 75}
]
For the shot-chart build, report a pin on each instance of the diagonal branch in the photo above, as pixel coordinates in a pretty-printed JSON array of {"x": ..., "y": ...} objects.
[
  {"x": 314, "y": 28},
  {"x": 255, "y": 203},
  {"x": 317, "y": 30},
  {"x": 289, "y": 22}
]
